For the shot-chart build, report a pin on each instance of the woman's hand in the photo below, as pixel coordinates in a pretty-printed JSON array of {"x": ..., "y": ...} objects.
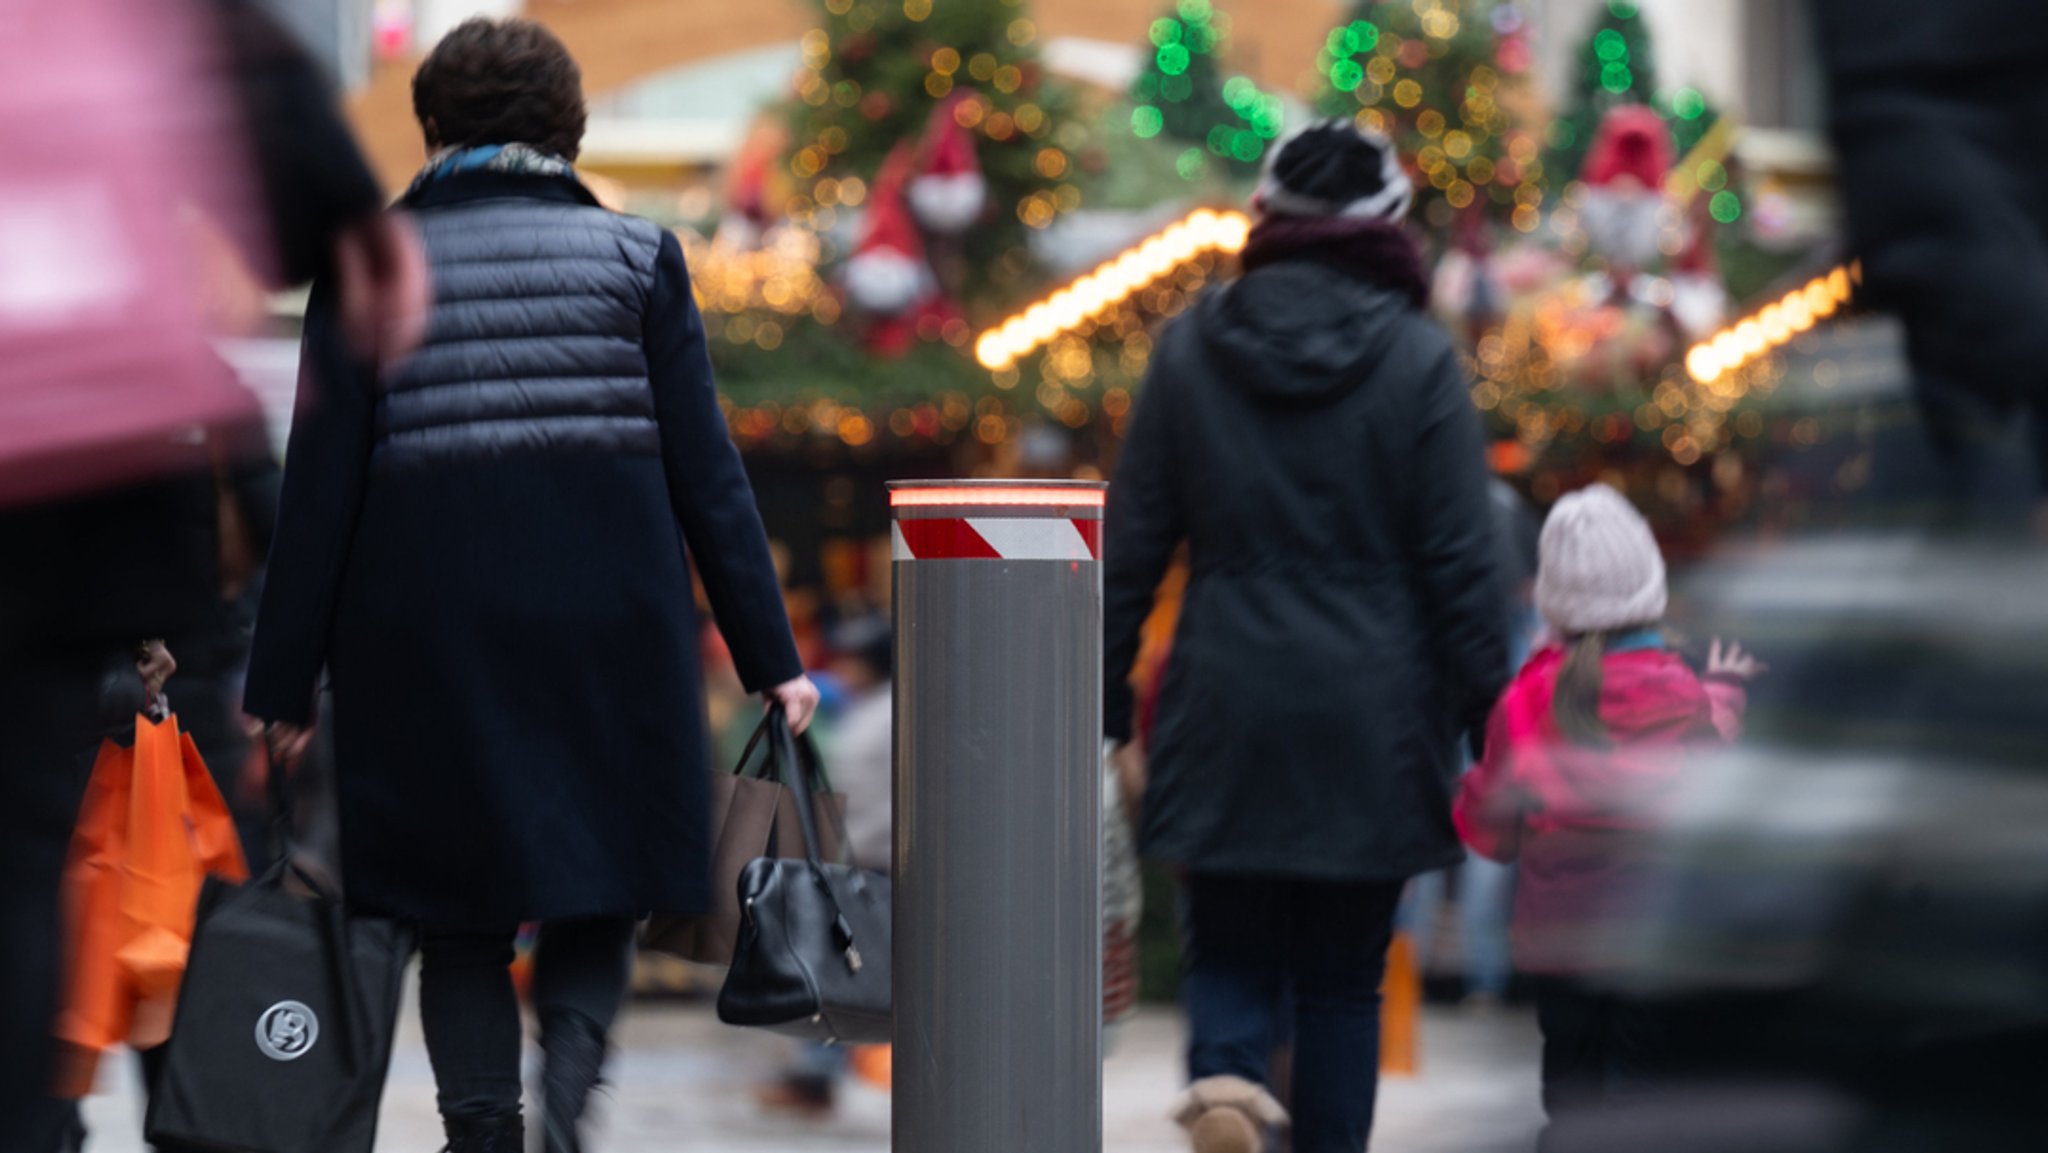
[
  {"x": 156, "y": 665},
  {"x": 286, "y": 743},
  {"x": 799, "y": 701},
  {"x": 1733, "y": 663}
]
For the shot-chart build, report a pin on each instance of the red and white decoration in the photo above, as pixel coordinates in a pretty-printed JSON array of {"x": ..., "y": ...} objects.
[
  {"x": 887, "y": 274},
  {"x": 997, "y": 538},
  {"x": 1624, "y": 212},
  {"x": 949, "y": 193}
]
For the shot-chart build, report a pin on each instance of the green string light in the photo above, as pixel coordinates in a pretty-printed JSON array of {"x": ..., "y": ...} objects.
[
  {"x": 1146, "y": 121},
  {"x": 1725, "y": 207}
]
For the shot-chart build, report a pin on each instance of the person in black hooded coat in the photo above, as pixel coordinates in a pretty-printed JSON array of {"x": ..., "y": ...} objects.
[{"x": 1307, "y": 433}]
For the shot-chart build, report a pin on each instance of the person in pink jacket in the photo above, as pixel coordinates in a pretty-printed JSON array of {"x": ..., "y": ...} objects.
[{"x": 1584, "y": 751}]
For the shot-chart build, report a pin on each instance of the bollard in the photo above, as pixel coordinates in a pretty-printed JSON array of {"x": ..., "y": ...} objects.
[{"x": 998, "y": 795}]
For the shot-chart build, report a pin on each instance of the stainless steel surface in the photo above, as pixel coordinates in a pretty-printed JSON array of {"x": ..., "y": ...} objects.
[{"x": 998, "y": 931}]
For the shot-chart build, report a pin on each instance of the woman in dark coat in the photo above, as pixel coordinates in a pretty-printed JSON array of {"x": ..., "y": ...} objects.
[
  {"x": 484, "y": 547},
  {"x": 1307, "y": 434}
]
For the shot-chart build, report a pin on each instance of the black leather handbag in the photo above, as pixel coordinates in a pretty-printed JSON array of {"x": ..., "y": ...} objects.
[{"x": 812, "y": 958}]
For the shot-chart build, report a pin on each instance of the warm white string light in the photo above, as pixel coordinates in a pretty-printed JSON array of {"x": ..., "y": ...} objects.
[{"x": 1111, "y": 283}]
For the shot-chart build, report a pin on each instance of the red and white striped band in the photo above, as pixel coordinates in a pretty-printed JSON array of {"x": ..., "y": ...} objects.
[{"x": 998, "y": 538}]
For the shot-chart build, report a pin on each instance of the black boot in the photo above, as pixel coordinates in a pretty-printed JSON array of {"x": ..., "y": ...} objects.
[
  {"x": 485, "y": 1134},
  {"x": 574, "y": 1048}
]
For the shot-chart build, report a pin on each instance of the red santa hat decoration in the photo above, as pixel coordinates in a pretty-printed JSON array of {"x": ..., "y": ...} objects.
[
  {"x": 950, "y": 191},
  {"x": 887, "y": 274},
  {"x": 1623, "y": 210}
]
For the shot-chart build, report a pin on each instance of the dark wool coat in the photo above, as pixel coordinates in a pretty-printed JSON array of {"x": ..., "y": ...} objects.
[
  {"x": 1309, "y": 438},
  {"x": 484, "y": 547}
]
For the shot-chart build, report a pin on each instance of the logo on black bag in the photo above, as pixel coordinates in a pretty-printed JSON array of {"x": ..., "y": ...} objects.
[{"x": 286, "y": 1031}]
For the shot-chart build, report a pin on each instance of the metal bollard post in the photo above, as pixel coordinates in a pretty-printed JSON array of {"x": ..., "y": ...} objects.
[{"x": 998, "y": 794}]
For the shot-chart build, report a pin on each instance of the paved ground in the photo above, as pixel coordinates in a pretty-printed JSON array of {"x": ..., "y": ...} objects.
[{"x": 683, "y": 1080}]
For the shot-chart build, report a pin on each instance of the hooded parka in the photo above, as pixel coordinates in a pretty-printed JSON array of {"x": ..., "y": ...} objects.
[{"x": 1308, "y": 436}]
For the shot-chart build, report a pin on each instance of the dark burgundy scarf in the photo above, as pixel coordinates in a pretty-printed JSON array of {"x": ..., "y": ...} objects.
[{"x": 1372, "y": 250}]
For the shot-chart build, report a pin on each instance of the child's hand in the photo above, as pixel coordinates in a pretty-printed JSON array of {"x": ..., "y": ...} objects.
[{"x": 1733, "y": 663}]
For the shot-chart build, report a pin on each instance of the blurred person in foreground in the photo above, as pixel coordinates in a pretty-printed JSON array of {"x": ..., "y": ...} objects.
[
  {"x": 484, "y": 547},
  {"x": 857, "y": 735},
  {"x": 1935, "y": 113},
  {"x": 126, "y": 123},
  {"x": 1583, "y": 755},
  {"x": 1306, "y": 432}
]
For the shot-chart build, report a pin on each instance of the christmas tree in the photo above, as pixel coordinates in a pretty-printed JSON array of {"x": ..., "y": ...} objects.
[
  {"x": 1616, "y": 65},
  {"x": 875, "y": 71},
  {"x": 1180, "y": 94},
  {"x": 1432, "y": 75}
]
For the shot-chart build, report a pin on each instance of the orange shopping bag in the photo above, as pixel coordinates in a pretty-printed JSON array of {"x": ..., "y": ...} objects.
[{"x": 153, "y": 826}]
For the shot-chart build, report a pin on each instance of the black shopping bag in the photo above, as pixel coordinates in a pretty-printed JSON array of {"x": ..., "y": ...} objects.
[{"x": 284, "y": 1025}]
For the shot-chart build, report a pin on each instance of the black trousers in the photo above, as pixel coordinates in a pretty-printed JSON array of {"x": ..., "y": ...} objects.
[
  {"x": 1277, "y": 959},
  {"x": 1599, "y": 1049},
  {"x": 470, "y": 1012}
]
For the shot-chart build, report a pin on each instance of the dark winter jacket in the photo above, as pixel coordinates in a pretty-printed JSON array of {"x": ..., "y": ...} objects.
[
  {"x": 1924, "y": 100},
  {"x": 485, "y": 549},
  {"x": 1308, "y": 436}
]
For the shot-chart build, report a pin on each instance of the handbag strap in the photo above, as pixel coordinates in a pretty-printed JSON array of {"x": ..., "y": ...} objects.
[
  {"x": 766, "y": 770},
  {"x": 820, "y": 789},
  {"x": 794, "y": 769}
]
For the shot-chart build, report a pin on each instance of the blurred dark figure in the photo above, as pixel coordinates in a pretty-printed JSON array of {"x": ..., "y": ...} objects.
[
  {"x": 484, "y": 546},
  {"x": 244, "y": 481},
  {"x": 1306, "y": 432},
  {"x": 108, "y": 527},
  {"x": 1937, "y": 114},
  {"x": 859, "y": 740}
]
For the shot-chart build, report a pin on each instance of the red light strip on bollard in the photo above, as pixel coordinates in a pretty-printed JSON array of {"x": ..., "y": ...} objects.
[
  {"x": 969, "y": 496},
  {"x": 997, "y": 538}
]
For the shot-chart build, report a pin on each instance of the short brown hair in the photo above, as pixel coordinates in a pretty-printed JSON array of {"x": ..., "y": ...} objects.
[{"x": 500, "y": 82}]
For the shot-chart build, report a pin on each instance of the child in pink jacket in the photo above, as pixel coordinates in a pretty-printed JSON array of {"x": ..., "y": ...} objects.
[{"x": 1583, "y": 752}]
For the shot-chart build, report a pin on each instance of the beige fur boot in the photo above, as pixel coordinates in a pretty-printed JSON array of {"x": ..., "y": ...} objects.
[{"x": 1228, "y": 1115}]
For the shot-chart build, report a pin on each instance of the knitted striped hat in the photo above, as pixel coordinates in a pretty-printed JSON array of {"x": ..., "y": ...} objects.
[
  {"x": 1335, "y": 168},
  {"x": 1598, "y": 566}
]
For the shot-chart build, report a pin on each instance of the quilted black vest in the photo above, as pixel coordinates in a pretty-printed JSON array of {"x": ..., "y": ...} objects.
[{"x": 535, "y": 340}]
